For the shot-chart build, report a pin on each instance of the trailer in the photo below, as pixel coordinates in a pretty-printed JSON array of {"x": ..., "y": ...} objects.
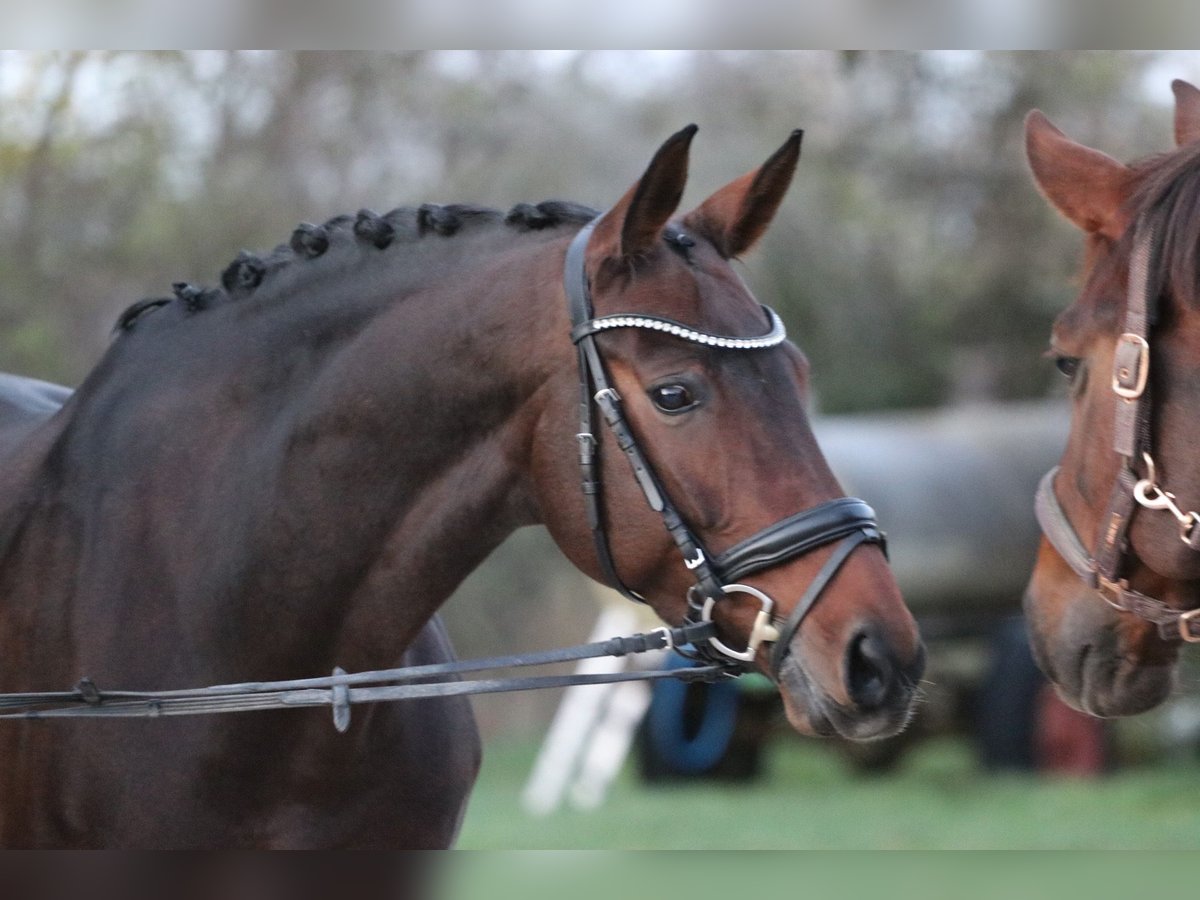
[{"x": 953, "y": 488}]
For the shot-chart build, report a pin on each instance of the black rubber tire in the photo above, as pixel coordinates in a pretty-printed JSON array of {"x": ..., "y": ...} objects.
[
  {"x": 704, "y": 731},
  {"x": 1005, "y": 707}
]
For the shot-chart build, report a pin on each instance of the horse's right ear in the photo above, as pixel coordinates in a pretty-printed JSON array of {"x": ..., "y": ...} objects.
[
  {"x": 632, "y": 227},
  {"x": 1085, "y": 185},
  {"x": 1187, "y": 112}
]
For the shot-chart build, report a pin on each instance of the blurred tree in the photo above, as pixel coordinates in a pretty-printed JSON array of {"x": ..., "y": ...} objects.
[
  {"x": 914, "y": 244},
  {"x": 913, "y": 261}
]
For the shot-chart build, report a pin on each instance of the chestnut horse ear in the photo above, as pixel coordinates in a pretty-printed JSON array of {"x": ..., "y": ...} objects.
[
  {"x": 735, "y": 217},
  {"x": 1085, "y": 185},
  {"x": 1187, "y": 112},
  {"x": 632, "y": 227}
]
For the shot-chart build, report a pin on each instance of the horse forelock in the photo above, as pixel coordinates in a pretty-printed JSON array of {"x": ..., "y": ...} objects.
[
  {"x": 250, "y": 274},
  {"x": 1167, "y": 198}
]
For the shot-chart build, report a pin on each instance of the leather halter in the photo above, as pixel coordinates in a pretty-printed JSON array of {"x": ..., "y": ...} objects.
[
  {"x": 846, "y": 519},
  {"x": 1102, "y": 569}
]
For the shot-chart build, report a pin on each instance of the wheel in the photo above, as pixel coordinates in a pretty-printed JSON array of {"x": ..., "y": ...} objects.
[
  {"x": 1005, "y": 705},
  {"x": 1021, "y": 724},
  {"x": 703, "y": 730}
]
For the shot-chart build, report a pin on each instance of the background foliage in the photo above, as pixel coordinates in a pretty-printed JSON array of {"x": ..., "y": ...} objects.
[
  {"x": 913, "y": 242},
  {"x": 913, "y": 260}
]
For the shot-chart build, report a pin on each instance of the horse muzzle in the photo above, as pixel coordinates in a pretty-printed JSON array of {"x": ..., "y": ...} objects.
[{"x": 879, "y": 688}]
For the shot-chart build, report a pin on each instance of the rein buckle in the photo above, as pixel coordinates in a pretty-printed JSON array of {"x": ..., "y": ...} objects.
[
  {"x": 1111, "y": 591},
  {"x": 1185, "y": 628}
]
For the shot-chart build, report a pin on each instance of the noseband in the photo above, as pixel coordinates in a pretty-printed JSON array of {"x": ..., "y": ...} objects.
[
  {"x": 1101, "y": 570},
  {"x": 848, "y": 520}
]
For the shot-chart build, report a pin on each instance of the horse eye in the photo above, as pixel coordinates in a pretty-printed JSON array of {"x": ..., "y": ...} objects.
[
  {"x": 672, "y": 398},
  {"x": 1068, "y": 365}
]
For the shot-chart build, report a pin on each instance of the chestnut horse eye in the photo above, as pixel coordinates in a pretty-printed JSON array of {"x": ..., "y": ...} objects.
[
  {"x": 1068, "y": 365},
  {"x": 672, "y": 398}
]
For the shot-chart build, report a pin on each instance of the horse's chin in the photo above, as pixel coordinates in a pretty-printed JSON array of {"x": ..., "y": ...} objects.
[
  {"x": 1107, "y": 685},
  {"x": 1098, "y": 670},
  {"x": 812, "y": 712}
]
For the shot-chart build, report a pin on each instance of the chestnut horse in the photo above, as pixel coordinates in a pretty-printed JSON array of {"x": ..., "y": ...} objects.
[
  {"x": 294, "y": 470},
  {"x": 1116, "y": 586}
]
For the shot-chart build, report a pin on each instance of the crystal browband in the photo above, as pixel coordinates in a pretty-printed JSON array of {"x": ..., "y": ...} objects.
[{"x": 777, "y": 335}]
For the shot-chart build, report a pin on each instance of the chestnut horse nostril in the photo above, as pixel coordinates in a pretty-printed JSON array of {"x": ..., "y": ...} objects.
[{"x": 870, "y": 671}]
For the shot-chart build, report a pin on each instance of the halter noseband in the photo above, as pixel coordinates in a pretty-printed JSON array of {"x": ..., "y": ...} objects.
[
  {"x": 1101, "y": 569},
  {"x": 846, "y": 519}
]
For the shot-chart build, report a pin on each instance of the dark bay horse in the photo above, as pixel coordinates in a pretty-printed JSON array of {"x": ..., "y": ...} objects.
[
  {"x": 293, "y": 470},
  {"x": 1116, "y": 587}
]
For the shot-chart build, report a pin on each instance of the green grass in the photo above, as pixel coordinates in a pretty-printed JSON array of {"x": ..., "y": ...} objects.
[{"x": 810, "y": 800}]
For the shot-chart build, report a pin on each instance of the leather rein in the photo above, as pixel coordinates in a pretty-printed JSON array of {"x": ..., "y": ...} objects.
[
  {"x": 1102, "y": 568},
  {"x": 848, "y": 520}
]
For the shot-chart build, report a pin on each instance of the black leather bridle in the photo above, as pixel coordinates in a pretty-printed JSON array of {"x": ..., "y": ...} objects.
[
  {"x": 1102, "y": 569},
  {"x": 846, "y": 519}
]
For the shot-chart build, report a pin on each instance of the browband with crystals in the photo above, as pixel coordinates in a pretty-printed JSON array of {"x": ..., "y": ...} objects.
[{"x": 773, "y": 338}]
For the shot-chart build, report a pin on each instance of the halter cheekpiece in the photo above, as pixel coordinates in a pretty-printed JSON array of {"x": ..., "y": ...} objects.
[{"x": 846, "y": 519}]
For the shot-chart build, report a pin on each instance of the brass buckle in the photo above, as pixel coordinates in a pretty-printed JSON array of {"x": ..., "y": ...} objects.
[
  {"x": 1143, "y": 367},
  {"x": 1111, "y": 592},
  {"x": 1185, "y": 630}
]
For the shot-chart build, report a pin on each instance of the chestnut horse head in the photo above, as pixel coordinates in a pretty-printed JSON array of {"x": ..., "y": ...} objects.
[{"x": 1111, "y": 597}]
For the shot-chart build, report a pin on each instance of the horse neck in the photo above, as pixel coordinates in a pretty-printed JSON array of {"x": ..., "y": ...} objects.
[{"x": 344, "y": 471}]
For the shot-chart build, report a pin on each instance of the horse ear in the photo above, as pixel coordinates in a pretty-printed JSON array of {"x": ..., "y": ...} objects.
[
  {"x": 632, "y": 227},
  {"x": 1085, "y": 185},
  {"x": 735, "y": 217},
  {"x": 1187, "y": 112}
]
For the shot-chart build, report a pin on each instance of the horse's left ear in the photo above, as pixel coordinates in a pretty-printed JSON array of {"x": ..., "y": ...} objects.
[
  {"x": 735, "y": 217},
  {"x": 1187, "y": 112}
]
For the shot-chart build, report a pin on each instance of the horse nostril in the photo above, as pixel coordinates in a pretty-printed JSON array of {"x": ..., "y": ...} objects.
[{"x": 870, "y": 671}]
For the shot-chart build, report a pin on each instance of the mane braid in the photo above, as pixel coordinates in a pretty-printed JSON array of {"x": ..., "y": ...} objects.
[
  {"x": 128, "y": 318},
  {"x": 248, "y": 271}
]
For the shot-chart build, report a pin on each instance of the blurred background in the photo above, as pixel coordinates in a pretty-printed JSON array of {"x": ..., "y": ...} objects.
[{"x": 913, "y": 261}]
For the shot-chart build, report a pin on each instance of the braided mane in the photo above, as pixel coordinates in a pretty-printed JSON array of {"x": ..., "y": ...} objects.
[{"x": 402, "y": 226}]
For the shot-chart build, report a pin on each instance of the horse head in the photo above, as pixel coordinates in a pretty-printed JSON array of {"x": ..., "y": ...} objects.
[
  {"x": 1117, "y": 511},
  {"x": 714, "y": 399}
]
